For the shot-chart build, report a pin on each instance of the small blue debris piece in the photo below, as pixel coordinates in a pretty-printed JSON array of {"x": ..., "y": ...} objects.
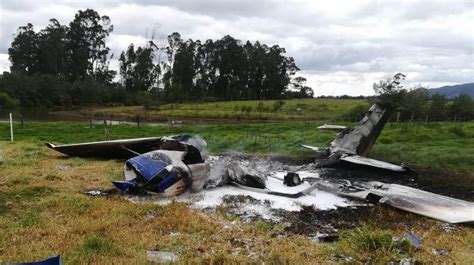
[
  {"x": 49, "y": 261},
  {"x": 126, "y": 186},
  {"x": 414, "y": 240},
  {"x": 441, "y": 252}
]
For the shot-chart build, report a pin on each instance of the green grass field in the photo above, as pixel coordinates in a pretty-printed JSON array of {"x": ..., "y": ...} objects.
[
  {"x": 442, "y": 146},
  {"x": 295, "y": 109},
  {"x": 43, "y": 210}
]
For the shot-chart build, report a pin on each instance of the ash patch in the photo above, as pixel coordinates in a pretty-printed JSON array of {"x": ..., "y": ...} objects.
[
  {"x": 249, "y": 209},
  {"x": 319, "y": 225}
]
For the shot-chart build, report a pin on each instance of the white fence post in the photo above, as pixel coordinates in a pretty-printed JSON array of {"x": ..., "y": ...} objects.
[{"x": 11, "y": 127}]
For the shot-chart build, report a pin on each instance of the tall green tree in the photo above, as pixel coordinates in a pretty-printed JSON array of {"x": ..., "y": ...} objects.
[
  {"x": 24, "y": 51},
  {"x": 302, "y": 90},
  {"x": 415, "y": 103},
  {"x": 438, "y": 107},
  {"x": 462, "y": 108},
  {"x": 52, "y": 48},
  {"x": 138, "y": 70},
  {"x": 88, "y": 52}
]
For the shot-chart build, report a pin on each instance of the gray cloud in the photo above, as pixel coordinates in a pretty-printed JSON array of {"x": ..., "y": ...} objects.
[{"x": 338, "y": 45}]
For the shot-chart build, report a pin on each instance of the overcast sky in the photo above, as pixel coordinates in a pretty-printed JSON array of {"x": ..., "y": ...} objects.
[{"x": 342, "y": 47}]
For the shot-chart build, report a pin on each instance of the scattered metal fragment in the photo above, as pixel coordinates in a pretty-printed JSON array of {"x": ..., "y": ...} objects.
[
  {"x": 340, "y": 257},
  {"x": 449, "y": 228},
  {"x": 62, "y": 167},
  {"x": 331, "y": 127},
  {"x": 161, "y": 256},
  {"x": 324, "y": 237},
  {"x": 441, "y": 252},
  {"x": 95, "y": 193},
  {"x": 407, "y": 261}
]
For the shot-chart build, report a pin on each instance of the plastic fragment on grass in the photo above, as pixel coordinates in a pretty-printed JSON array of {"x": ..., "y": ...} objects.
[
  {"x": 441, "y": 252},
  {"x": 161, "y": 256},
  {"x": 410, "y": 237},
  {"x": 49, "y": 261},
  {"x": 95, "y": 193}
]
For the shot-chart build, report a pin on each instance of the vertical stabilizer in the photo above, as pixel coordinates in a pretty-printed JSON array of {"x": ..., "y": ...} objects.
[{"x": 361, "y": 139}]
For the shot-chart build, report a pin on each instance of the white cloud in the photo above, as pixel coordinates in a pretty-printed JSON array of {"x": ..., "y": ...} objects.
[
  {"x": 341, "y": 46},
  {"x": 4, "y": 63}
]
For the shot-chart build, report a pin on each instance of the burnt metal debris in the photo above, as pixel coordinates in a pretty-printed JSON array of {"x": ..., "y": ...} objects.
[
  {"x": 171, "y": 165},
  {"x": 353, "y": 146}
]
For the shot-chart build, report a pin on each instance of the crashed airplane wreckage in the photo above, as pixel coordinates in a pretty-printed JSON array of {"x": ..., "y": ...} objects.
[
  {"x": 354, "y": 146},
  {"x": 171, "y": 165}
]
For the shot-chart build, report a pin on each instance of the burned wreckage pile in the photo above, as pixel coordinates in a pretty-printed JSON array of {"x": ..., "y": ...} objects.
[{"x": 172, "y": 165}]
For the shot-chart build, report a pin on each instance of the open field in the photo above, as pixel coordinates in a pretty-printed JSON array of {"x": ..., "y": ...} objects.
[
  {"x": 295, "y": 109},
  {"x": 44, "y": 212},
  {"x": 440, "y": 146}
]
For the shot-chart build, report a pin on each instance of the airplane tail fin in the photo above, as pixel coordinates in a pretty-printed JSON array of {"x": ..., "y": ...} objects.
[{"x": 361, "y": 139}]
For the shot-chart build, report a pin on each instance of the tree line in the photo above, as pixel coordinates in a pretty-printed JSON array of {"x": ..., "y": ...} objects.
[
  {"x": 416, "y": 104},
  {"x": 419, "y": 105},
  {"x": 66, "y": 65}
]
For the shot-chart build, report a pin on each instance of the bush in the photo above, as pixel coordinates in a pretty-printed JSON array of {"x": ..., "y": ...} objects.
[
  {"x": 6, "y": 102},
  {"x": 458, "y": 131},
  {"x": 246, "y": 109},
  {"x": 261, "y": 107},
  {"x": 356, "y": 113},
  {"x": 278, "y": 105}
]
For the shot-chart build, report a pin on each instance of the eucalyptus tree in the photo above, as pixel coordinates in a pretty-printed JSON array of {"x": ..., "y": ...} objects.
[{"x": 86, "y": 44}]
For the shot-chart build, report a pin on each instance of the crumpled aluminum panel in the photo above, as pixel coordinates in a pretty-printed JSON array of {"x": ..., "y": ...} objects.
[{"x": 417, "y": 201}]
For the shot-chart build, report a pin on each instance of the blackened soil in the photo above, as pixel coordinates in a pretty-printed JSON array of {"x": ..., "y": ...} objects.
[{"x": 310, "y": 222}]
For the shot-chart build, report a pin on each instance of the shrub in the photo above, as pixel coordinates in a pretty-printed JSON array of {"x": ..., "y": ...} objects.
[
  {"x": 7, "y": 102},
  {"x": 261, "y": 107},
  {"x": 356, "y": 113},
  {"x": 278, "y": 105},
  {"x": 458, "y": 131}
]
